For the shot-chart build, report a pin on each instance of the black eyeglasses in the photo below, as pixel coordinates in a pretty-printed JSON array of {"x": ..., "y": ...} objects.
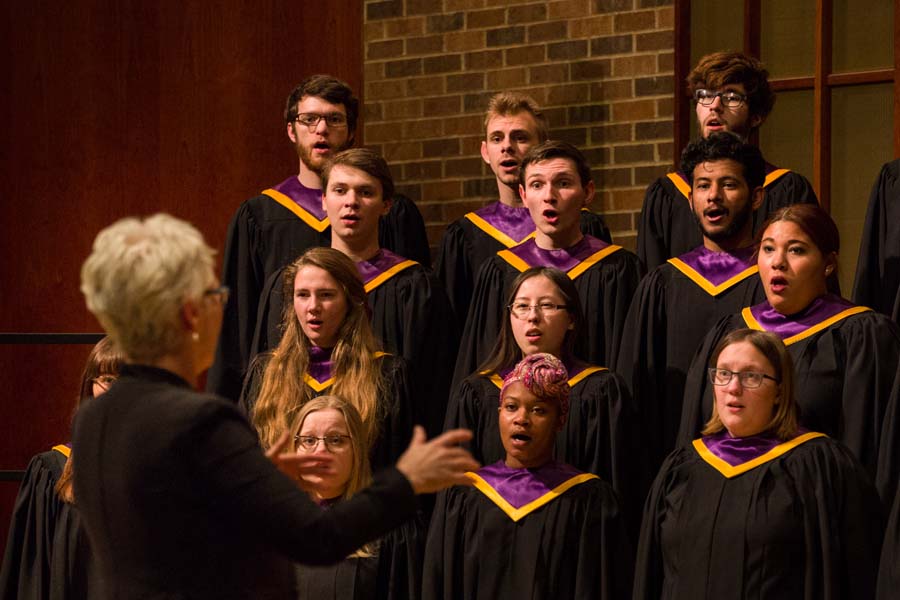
[
  {"x": 222, "y": 292},
  {"x": 521, "y": 310},
  {"x": 729, "y": 99},
  {"x": 748, "y": 379},
  {"x": 311, "y": 120},
  {"x": 333, "y": 443}
]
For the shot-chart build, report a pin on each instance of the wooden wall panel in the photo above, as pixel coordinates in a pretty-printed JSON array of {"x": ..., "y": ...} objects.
[{"x": 121, "y": 107}]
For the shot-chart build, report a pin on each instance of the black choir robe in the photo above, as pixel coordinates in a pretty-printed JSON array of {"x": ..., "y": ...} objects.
[
  {"x": 877, "y": 282},
  {"x": 889, "y": 568},
  {"x": 411, "y": 315},
  {"x": 471, "y": 240},
  {"x": 675, "y": 305},
  {"x": 47, "y": 553},
  {"x": 605, "y": 275},
  {"x": 668, "y": 227},
  {"x": 265, "y": 234},
  {"x": 793, "y": 520},
  {"x": 549, "y": 532},
  {"x": 393, "y": 572},
  {"x": 396, "y": 425},
  {"x": 845, "y": 366}
]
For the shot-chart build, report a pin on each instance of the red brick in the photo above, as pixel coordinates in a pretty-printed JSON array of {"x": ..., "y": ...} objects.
[
  {"x": 597, "y": 156},
  {"x": 567, "y": 50},
  {"x": 486, "y": 18},
  {"x": 507, "y": 78},
  {"x": 373, "y": 71},
  {"x": 612, "y": 89},
  {"x": 465, "y": 83},
  {"x": 463, "y": 4},
  {"x": 443, "y": 105},
  {"x": 467, "y": 125},
  {"x": 420, "y": 129},
  {"x": 445, "y": 22},
  {"x": 627, "y": 241},
  {"x": 666, "y": 151},
  {"x": 556, "y": 117},
  {"x": 425, "y": 86},
  {"x": 380, "y": 132},
  {"x": 413, "y": 191},
  {"x": 548, "y": 32},
  {"x": 473, "y": 188},
  {"x": 626, "y": 66},
  {"x": 615, "y": 177},
  {"x": 403, "y": 68},
  {"x": 575, "y": 136},
  {"x": 372, "y": 111},
  {"x": 505, "y": 36},
  {"x": 556, "y": 73},
  {"x": 637, "y": 110},
  {"x": 591, "y": 27},
  {"x": 432, "y": 212},
  {"x": 568, "y": 94},
  {"x": 471, "y": 145},
  {"x": 631, "y": 199},
  {"x": 569, "y": 9},
  {"x": 423, "y": 169},
  {"x": 655, "y": 40},
  {"x": 442, "y": 147},
  {"x": 373, "y": 31},
  {"x": 476, "y": 102},
  {"x": 464, "y": 167},
  {"x": 611, "y": 44},
  {"x": 401, "y": 151},
  {"x": 634, "y": 153},
  {"x": 635, "y": 21},
  {"x": 422, "y": 7},
  {"x": 646, "y": 175},
  {"x": 383, "y": 90},
  {"x": 443, "y": 64},
  {"x": 388, "y": 49},
  {"x": 606, "y": 6},
  {"x": 591, "y": 69},
  {"x": 409, "y": 27},
  {"x": 590, "y": 113},
  {"x": 384, "y": 10},
  {"x": 441, "y": 190},
  {"x": 653, "y": 86},
  {"x": 527, "y": 14},
  {"x": 429, "y": 44},
  {"x": 606, "y": 134},
  {"x": 455, "y": 210},
  {"x": 665, "y": 63},
  {"x": 525, "y": 55},
  {"x": 665, "y": 107},
  {"x": 483, "y": 60},
  {"x": 618, "y": 221},
  {"x": 665, "y": 18},
  {"x": 653, "y": 130},
  {"x": 463, "y": 41},
  {"x": 403, "y": 109}
]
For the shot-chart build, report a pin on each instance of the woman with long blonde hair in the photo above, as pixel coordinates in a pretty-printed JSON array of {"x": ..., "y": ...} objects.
[{"x": 328, "y": 347}]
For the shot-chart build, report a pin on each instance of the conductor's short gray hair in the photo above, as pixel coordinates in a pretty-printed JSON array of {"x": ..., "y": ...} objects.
[{"x": 139, "y": 274}]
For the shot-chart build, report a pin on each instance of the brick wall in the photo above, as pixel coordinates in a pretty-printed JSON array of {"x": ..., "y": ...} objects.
[{"x": 601, "y": 69}]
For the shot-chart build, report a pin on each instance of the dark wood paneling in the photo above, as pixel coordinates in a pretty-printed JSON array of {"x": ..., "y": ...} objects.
[{"x": 122, "y": 107}]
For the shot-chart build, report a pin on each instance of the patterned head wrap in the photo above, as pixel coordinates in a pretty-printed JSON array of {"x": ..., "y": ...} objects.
[{"x": 545, "y": 376}]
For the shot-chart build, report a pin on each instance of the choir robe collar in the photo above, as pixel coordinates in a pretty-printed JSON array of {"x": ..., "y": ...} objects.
[
  {"x": 320, "y": 364},
  {"x": 577, "y": 371},
  {"x": 509, "y": 225},
  {"x": 306, "y": 198},
  {"x": 732, "y": 456},
  {"x": 518, "y": 492},
  {"x": 713, "y": 271},
  {"x": 821, "y": 313},
  {"x": 381, "y": 267},
  {"x": 573, "y": 260}
]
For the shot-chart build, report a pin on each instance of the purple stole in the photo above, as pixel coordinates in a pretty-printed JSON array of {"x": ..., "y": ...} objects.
[
  {"x": 573, "y": 261},
  {"x": 509, "y": 225},
  {"x": 680, "y": 181},
  {"x": 304, "y": 202},
  {"x": 716, "y": 272},
  {"x": 733, "y": 456},
  {"x": 381, "y": 267},
  {"x": 320, "y": 371},
  {"x": 823, "y": 312},
  {"x": 518, "y": 492}
]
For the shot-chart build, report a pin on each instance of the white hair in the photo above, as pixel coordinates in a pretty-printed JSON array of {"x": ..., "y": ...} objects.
[{"x": 137, "y": 278}]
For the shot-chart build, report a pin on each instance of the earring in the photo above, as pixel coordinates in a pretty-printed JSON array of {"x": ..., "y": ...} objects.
[{"x": 195, "y": 336}]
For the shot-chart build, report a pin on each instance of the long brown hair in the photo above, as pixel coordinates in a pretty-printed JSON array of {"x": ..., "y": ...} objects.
[
  {"x": 358, "y": 377},
  {"x": 506, "y": 352},
  {"x": 104, "y": 359}
]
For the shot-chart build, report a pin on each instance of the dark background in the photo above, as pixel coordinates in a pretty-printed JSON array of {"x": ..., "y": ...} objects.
[{"x": 116, "y": 108}]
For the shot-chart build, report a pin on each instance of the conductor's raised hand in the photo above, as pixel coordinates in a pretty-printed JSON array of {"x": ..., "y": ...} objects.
[
  {"x": 296, "y": 465},
  {"x": 438, "y": 464}
]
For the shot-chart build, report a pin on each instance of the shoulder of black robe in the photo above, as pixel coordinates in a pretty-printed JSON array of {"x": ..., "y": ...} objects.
[
  {"x": 30, "y": 545},
  {"x": 399, "y": 413},
  {"x": 747, "y": 537},
  {"x": 592, "y": 224},
  {"x": 889, "y": 568},
  {"x": 262, "y": 237},
  {"x": 402, "y": 231},
  {"x": 412, "y": 316},
  {"x": 473, "y": 405},
  {"x": 783, "y": 188},
  {"x": 269, "y": 315},
  {"x": 394, "y": 572},
  {"x": 667, "y": 226},
  {"x": 877, "y": 282},
  {"x": 573, "y": 547},
  {"x": 665, "y": 325}
]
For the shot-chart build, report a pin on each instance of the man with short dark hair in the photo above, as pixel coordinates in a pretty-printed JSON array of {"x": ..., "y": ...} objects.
[
  {"x": 513, "y": 123},
  {"x": 680, "y": 300},
  {"x": 732, "y": 94},
  {"x": 554, "y": 185},
  {"x": 274, "y": 228}
]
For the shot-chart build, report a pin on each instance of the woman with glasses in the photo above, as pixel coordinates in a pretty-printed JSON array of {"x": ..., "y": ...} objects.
[
  {"x": 845, "y": 356},
  {"x": 173, "y": 490},
  {"x": 545, "y": 315},
  {"x": 328, "y": 347},
  {"x": 46, "y": 550},
  {"x": 759, "y": 506},
  {"x": 389, "y": 568}
]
